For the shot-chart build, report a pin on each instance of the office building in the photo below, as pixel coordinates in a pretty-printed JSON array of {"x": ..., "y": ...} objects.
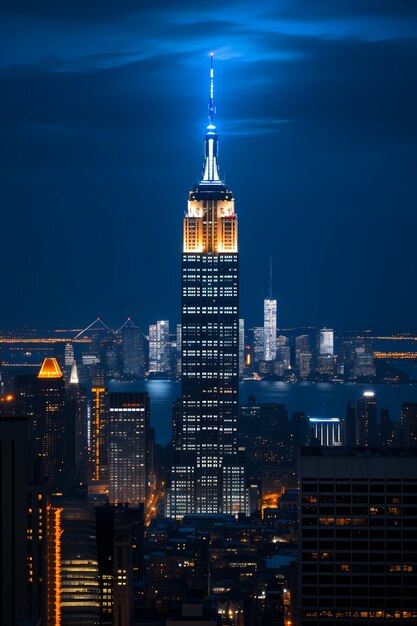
[
  {"x": 325, "y": 342},
  {"x": 303, "y": 356},
  {"x": 270, "y": 329},
  {"x": 99, "y": 429},
  {"x": 283, "y": 356},
  {"x": 76, "y": 549},
  {"x": 159, "y": 348},
  {"x": 363, "y": 360},
  {"x": 357, "y": 529},
  {"x": 325, "y": 431},
  {"x": 69, "y": 356},
  {"x": 129, "y": 440},
  {"x": 366, "y": 433},
  {"x": 133, "y": 350},
  {"x": 325, "y": 350},
  {"x": 48, "y": 398},
  {"x": 409, "y": 424},
  {"x": 258, "y": 344},
  {"x": 23, "y": 513},
  {"x": 207, "y": 475}
]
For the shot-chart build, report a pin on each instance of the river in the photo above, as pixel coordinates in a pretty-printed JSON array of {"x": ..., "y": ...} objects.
[{"x": 315, "y": 399}]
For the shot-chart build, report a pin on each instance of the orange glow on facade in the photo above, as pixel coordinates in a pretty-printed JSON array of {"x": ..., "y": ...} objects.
[
  {"x": 97, "y": 425},
  {"x": 54, "y": 567},
  {"x": 50, "y": 369}
]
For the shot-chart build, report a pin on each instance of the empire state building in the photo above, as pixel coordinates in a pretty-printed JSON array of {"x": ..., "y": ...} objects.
[{"x": 207, "y": 473}]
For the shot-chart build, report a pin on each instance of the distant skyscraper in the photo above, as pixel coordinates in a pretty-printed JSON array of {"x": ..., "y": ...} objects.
[
  {"x": 99, "y": 457},
  {"x": 270, "y": 323},
  {"x": 325, "y": 351},
  {"x": 409, "y": 423},
  {"x": 283, "y": 362},
  {"x": 366, "y": 420},
  {"x": 363, "y": 360},
  {"x": 207, "y": 476},
  {"x": 326, "y": 342},
  {"x": 133, "y": 350},
  {"x": 259, "y": 344},
  {"x": 129, "y": 441},
  {"x": 303, "y": 356},
  {"x": 76, "y": 458},
  {"x": 69, "y": 354},
  {"x": 50, "y": 421},
  {"x": 159, "y": 347},
  {"x": 357, "y": 529},
  {"x": 270, "y": 329}
]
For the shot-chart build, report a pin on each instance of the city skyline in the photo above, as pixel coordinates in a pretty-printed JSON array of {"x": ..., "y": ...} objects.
[{"x": 318, "y": 111}]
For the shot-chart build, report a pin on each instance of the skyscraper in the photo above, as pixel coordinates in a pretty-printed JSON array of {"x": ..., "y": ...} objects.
[
  {"x": 49, "y": 423},
  {"x": 129, "y": 443},
  {"x": 133, "y": 350},
  {"x": 325, "y": 351},
  {"x": 159, "y": 347},
  {"x": 206, "y": 475},
  {"x": 270, "y": 329},
  {"x": 270, "y": 323},
  {"x": 303, "y": 356},
  {"x": 409, "y": 424},
  {"x": 366, "y": 420},
  {"x": 357, "y": 529}
]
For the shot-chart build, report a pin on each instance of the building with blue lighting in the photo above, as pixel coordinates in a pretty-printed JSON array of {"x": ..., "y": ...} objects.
[{"x": 207, "y": 476}]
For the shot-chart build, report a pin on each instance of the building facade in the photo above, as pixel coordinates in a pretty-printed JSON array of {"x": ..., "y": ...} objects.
[
  {"x": 206, "y": 475},
  {"x": 270, "y": 329},
  {"x": 358, "y": 523},
  {"x": 129, "y": 442}
]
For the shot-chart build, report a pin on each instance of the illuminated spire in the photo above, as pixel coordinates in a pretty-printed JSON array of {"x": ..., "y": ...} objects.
[
  {"x": 74, "y": 380},
  {"x": 211, "y": 171},
  {"x": 50, "y": 369},
  {"x": 211, "y": 107}
]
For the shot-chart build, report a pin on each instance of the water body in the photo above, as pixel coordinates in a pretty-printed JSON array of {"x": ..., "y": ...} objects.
[{"x": 314, "y": 399}]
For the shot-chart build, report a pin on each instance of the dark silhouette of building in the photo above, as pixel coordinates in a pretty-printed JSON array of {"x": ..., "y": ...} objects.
[
  {"x": 23, "y": 523},
  {"x": 366, "y": 433},
  {"x": 409, "y": 423},
  {"x": 133, "y": 350}
]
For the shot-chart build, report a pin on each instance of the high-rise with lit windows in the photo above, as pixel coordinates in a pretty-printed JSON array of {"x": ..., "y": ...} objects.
[
  {"x": 207, "y": 476},
  {"x": 129, "y": 440},
  {"x": 357, "y": 530}
]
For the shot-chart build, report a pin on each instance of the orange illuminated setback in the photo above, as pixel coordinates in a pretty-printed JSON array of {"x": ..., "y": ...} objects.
[{"x": 50, "y": 369}]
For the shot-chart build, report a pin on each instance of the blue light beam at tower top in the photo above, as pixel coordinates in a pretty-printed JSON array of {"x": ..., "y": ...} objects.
[{"x": 211, "y": 107}]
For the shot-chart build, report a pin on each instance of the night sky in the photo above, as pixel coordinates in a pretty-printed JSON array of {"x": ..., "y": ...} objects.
[{"x": 103, "y": 108}]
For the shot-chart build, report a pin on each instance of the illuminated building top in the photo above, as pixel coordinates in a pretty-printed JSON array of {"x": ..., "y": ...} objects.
[
  {"x": 50, "y": 369},
  {"x": 210, "y": 224},
  {"x": 74, "y": 380}
]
